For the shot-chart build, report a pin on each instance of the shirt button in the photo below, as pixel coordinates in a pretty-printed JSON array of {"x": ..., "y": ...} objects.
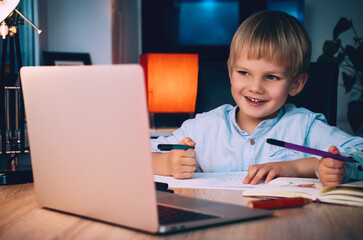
[
  {"x": 252, "y": 142},
  {"x": 359, "y": 168}
]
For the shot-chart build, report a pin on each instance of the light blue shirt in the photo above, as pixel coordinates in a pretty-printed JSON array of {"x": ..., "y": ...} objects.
[{"x": 221, "y": 146}]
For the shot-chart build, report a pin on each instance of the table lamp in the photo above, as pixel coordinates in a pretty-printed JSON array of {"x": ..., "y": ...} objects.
[{"x": 171, "y": 82}]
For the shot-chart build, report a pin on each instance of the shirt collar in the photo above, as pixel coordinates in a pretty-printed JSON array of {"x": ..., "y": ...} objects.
[{"x": 261, "y": 128}]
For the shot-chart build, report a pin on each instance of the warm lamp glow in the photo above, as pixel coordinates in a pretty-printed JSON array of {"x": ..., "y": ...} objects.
[{"x": 171, "y": 82}]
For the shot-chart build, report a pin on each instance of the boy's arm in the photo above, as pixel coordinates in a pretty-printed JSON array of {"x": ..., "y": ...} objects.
[
  {"x": 161, "y": 163},
  {"x": 304, "y": 167}
]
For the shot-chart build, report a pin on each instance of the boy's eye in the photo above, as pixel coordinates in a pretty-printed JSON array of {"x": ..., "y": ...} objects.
[
  {"x": 243, "y": 73},
  {"x": 272, "y": 77}
]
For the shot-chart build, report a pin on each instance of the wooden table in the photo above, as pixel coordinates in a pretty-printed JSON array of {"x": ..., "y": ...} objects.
[{"x": 22, "y": 218}]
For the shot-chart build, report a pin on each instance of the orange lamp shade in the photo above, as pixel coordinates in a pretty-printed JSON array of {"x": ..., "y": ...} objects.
[{"x": 171, "y": 81}]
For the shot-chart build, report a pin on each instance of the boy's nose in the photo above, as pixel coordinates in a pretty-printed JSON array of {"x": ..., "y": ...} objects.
[{"x": 256, "y": 85}]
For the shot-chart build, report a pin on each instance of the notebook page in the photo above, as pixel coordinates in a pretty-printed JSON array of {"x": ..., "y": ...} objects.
[
  {"x": 215, "y": 180},
  {"x": 288, "y": 187}
]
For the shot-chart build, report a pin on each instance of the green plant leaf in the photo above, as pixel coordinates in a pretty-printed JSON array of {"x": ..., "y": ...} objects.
[
  {"x": 359, "y": 51},
  {"x": 357, "y": 39},
  {"x": 331, "y": 47},
  {"x": 354, "y": 57},
  {"x": 348, "y": 81},
  {"x": 343, "y": 25},
  {"x": 340, "y": 57},
  {"x": 326, "y": 58}
]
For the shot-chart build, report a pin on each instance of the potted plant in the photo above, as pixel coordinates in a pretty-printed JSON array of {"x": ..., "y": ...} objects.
[{"x": 350, "y": 60}]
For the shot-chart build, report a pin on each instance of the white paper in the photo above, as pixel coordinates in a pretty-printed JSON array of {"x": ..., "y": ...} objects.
[{"x": 215, "y": 180}]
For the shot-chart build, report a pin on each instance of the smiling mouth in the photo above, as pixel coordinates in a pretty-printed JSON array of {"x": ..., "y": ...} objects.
[{"x": 254, "y": 100}]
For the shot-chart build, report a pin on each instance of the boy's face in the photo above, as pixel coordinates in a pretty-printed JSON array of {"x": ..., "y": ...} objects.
[{"x": 260, "y": 88}]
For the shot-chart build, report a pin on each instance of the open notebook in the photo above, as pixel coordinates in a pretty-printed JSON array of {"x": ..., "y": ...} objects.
[
  {"x": 345, "y": 194},
  {"x": 90, "y": 151}
]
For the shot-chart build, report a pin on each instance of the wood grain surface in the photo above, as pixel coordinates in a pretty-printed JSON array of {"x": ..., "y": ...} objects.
[{"x": 22, "y": 218}]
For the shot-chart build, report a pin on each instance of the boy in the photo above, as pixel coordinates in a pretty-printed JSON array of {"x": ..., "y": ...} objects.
[{"x": 269, "y": 59}]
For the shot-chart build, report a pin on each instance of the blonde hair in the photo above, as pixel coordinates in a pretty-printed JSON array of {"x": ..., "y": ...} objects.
[{"x": 276, "y": 37}]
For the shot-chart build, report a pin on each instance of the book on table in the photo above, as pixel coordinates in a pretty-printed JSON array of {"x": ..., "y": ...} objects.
[{"x": 311, "y": 188}]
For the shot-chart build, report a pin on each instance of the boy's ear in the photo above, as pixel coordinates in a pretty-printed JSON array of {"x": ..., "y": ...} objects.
[
  {"x": 229, "y": 70},
  {"x": 298, "y": 84}
]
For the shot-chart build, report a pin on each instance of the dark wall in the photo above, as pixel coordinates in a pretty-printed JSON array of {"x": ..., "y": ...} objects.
[{"x": 160, "y": 29}]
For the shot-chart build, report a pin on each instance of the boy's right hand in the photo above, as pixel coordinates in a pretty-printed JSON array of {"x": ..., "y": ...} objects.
[
  {"x": 183, "y": 163},
  {"x": 330, "y": 170}
]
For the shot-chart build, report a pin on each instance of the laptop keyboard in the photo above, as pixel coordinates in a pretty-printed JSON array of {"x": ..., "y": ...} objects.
[{"x": 169, "y": 215}]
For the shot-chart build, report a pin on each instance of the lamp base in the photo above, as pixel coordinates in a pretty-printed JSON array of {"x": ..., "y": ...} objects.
[{"x": 18, "y": 173}]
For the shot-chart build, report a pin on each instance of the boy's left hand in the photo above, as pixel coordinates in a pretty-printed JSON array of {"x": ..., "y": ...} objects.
[
  {"x": 331, "y": 171},
  {"x": 271, "y": 170}
]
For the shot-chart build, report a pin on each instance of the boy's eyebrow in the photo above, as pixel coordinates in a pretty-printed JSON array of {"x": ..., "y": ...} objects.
[
  {"x": 269, "y": 72},
  {"x": 281, "y": 73},
  {"x": 240, "y": 67}
]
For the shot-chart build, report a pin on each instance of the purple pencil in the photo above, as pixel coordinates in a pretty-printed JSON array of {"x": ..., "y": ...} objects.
[{"x": 308, "y": 150}]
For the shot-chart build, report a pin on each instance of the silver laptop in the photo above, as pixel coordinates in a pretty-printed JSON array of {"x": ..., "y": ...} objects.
[{"x": 90, "y": 151}]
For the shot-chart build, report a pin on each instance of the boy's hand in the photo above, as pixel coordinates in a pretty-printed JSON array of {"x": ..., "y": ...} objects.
[
  {"x": 183, "y": 163},
  {"x": 330, "y": 170},
  {"x": 271, "y": 170}
]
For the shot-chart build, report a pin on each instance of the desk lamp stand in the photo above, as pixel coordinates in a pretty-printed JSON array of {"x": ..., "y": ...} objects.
[{"x": 15, "y": 166}]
